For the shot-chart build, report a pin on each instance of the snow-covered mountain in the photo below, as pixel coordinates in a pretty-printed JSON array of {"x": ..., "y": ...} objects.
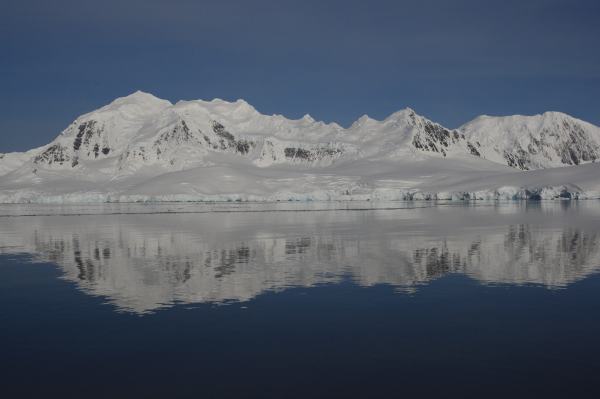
[
  {"x": 141, "y": 130},
  {"x": 140, "y": 147},
  {"x": 534, "y": 142}
]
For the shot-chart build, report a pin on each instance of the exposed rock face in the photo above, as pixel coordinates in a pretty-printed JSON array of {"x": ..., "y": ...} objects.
[
  {"x": 579, "y": 145},
  {"x": 434, "y": 137},
  {"x": 311, "y": 155},
  {"x": 55, "y": 154},
  {"x": 227, "y": 141},
  {"x": 89, "y": 141}
]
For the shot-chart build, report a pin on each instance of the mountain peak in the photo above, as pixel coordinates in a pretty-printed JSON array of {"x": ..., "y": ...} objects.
[
  {"x": 402, "y": 114},
  {"x": 135, "y": 103},
  {"x": 138, "y": 96},
  {"x": 557, "y": 115},
  {"x": 308, "y": 118},
  {"x": 362, "y": 121}
]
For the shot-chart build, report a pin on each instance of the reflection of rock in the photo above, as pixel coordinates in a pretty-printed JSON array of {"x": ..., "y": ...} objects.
[{"x": 145, "y": 262}]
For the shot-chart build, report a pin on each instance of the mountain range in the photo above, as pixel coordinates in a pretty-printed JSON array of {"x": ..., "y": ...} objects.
[{"x": 142, "y": 148}]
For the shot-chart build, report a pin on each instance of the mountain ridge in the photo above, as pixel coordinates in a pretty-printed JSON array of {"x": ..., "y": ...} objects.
[{"x": 140, "y": 136}]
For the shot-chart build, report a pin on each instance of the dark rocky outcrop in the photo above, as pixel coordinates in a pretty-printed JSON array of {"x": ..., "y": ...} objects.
[
  {"x": 312, "y": 154},
  {"x": 433, "y": 137},
  {"x": 228, "y": 140},
  {"x": 55, "y": 154}
]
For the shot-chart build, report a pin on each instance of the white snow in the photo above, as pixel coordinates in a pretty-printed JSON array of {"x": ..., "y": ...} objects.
[
  {"x": 549, "y": 140},
  {"x": 141, "y": 148}
]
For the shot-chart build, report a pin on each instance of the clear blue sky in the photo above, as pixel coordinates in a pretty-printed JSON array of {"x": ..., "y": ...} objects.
[{"x": 450, "y": 60}]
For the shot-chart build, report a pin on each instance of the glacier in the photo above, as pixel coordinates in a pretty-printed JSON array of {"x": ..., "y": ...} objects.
[{"x": 140, "y": 148}]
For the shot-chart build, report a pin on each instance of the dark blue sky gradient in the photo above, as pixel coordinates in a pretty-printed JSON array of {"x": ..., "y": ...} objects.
[{"x": 449, "y": 60}]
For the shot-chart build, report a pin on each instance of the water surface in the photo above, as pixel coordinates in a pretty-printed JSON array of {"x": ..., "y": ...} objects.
[{"x": 301, "y": 300}]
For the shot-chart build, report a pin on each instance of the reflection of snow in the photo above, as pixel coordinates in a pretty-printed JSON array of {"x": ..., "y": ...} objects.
[{"x": 144, "y": 262}]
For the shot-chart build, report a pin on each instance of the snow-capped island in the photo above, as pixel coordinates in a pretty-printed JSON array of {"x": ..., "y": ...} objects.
[{"x": 142, "y": 148}]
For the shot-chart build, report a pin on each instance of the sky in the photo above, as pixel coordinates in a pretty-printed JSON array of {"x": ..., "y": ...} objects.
[{"x": 336, "y": 60}]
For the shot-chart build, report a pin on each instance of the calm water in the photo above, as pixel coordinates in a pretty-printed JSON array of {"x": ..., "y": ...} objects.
[{"x": 301, "y": 300}]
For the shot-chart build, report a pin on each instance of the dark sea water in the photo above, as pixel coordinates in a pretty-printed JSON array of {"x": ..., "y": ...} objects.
[{"x": 301, "y": 300}]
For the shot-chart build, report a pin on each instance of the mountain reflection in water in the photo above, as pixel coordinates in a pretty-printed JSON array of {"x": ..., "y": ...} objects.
[{"x": 141, "y": 263}]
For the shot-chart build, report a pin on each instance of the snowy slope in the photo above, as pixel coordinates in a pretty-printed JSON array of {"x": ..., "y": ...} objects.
[
  {"x": 534, "y": 142},
  {"x": 14, "y": 160},
  {"x": 141, "y": 148}
]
